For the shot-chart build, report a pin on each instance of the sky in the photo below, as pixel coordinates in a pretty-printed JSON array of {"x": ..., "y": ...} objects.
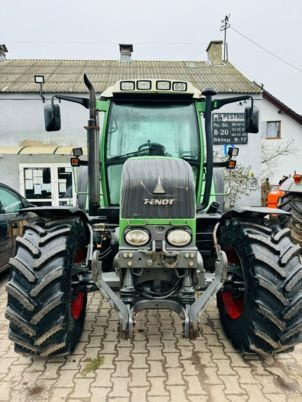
[{"x": 164, "y": 30}]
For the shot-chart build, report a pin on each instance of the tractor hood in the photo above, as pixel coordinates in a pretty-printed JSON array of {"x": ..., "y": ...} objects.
[
  {"x": 289, "y": 185},
  {"x": 157, "y": 187}
]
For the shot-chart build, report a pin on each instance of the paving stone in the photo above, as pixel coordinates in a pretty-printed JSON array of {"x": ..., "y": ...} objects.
[
  {"x": 138, "y": 394},
  {"x": 231, "y": 384},
  {"x": 172, "y": 360},
  {"x": 139, "y": 378},
  {"x": 225, "y": 368},
  {"x": 123, "y": 354},
  {"x": 66, "y": 379},
  {"x": 81, "y": 388},
  {"x": 271, "y": 384},
  {"x": 103, "y": 378},
  {"x": 121, "y": 369},
  {"x": 157, "y": 387},
  {"x": 140, "y": 361},
  {"x": 155, "y": 353},
  {"x": 211, "y": 377},
  {"x": 175, "y": 376},
  {"x": 189, "y": 367},
  {"x": 158, "y": 399},
  {"x": 99, "y": 394},
  {"x": 217, "y": 393},
  {"x": 140, "y": 347},
  {"x": 282, "y": 398},
  {"x": 199, "y": 398},
  {"x": 156, "y": 369},
  {"x": 154, "y": 340},
  {"x": 194, "y": 386},
  {"x": 120, "y": 388},
  {"x": 4, "y": 391},
  {"x": 177, "y": 393},
  {"x": 254, "y": 392},
  {"x": 60, "y": 394},
  {"x": 246, "y": 375}
]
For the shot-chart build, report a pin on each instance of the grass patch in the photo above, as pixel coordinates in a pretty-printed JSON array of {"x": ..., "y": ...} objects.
[{"x": 92, "y": 364}]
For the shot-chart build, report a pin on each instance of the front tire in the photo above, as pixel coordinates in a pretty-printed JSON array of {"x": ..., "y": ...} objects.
[
  {"x": 260, "y": 304},
  {"x": 45, "y": 311}
]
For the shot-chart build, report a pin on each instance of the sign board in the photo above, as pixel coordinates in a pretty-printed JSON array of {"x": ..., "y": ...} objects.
[{"x": 229, "y": 128}]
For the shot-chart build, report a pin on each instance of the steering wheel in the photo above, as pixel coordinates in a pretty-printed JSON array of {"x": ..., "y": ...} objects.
[{"x": 153, "y": 147}]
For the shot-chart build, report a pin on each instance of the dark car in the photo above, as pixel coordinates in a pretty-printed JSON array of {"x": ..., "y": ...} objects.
[{"x": 12, "y": 221}]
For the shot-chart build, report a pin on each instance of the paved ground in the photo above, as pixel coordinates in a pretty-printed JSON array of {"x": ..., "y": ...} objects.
[{"x": 157, "y": 365}]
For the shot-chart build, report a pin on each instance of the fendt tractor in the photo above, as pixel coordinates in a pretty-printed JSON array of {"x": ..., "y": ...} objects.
[{"x": 152, "y": 236}]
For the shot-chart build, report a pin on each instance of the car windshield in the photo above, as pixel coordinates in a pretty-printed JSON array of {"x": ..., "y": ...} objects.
[
  {"x": 165, "y": 130},
  {"x": 148, "y": 129}
]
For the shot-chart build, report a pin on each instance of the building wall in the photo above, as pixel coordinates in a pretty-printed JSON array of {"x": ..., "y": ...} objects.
[
  {"x": 22, "y": 123},
  {"x": 22, "y": 119},
  {"x": 290, "y": 131},
  {"x": 250, "y": 153}
]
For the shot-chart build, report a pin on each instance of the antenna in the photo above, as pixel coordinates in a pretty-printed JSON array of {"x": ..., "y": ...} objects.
[{"x": 225, "y": 25}]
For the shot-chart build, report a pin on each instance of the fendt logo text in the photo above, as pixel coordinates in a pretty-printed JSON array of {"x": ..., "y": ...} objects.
[{"x": 156, "y": 201}]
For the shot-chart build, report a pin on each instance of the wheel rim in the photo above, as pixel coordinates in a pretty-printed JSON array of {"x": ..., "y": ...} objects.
[
  {"x": 233, "y": 298},
  {"x": 77, "y": 305}
]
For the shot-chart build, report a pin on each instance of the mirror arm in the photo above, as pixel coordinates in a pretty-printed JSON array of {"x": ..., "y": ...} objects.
[
  {"x": 225, "y": 101},
  {"x": 82, "y": 101}
]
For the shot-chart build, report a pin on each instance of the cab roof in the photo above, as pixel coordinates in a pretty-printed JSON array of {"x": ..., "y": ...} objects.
[{"x": 152, "y": 86}]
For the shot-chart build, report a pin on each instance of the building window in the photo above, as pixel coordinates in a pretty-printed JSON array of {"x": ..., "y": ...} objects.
[
  {"x": 273, "y": 129},
  {"x": 47, "y": 184}
]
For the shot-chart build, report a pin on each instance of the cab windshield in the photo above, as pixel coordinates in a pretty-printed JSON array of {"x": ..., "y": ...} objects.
[{"x": 146, "y": 129}]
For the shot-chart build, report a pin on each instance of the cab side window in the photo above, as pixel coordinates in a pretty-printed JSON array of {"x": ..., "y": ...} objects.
[{"x": 10, "y": 201}]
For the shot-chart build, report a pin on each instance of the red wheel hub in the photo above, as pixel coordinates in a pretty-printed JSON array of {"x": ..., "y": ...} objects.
[
  {"x": 80, "y": 255},
  {"x": 233, "y": 306},
  {"x": 77, "y": 305}
]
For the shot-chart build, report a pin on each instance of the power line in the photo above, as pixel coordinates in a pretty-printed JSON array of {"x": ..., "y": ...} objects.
[{"x": 266, "y": 50}]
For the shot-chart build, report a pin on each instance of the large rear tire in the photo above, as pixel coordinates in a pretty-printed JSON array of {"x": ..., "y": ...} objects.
[
  {"x": 292, "y": 202},
  {"x": 45, "y": 310},
  {"x": 260, "y": 304}
]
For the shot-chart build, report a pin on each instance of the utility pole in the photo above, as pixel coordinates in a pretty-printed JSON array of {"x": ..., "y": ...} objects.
[{"x": 225, "y": 25}]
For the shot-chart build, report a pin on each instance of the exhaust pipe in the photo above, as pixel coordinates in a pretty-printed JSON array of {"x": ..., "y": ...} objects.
[{"x": 93, "y": 151}]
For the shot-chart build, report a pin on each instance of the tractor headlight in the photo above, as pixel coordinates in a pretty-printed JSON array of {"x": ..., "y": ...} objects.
[
  {"x": 137, "y": 237},
  {"x": 179, "y": 237}
]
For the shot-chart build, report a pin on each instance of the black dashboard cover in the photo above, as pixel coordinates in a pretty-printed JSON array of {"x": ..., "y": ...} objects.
[{"x": 157, "y": 187}]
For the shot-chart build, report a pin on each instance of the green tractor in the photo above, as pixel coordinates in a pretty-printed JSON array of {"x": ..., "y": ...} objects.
[{"x": 152, "y": 236}]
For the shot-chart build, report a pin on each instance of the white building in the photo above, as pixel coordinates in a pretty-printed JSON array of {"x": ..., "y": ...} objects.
[
  {"x": 27, "y": 149},
  {"x": 281, "y": 131}
]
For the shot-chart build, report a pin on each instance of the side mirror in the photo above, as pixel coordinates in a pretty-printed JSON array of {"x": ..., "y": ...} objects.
[
  {"x": 251, "y": 120},
  {"x": 52, "y": 117}
]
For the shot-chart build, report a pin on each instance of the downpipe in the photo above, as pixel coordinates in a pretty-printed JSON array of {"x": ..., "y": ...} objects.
[{"x": 208, "y": 93}]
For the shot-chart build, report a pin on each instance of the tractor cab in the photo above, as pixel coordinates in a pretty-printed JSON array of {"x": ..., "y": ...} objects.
[{"x": 148, "y": 118}]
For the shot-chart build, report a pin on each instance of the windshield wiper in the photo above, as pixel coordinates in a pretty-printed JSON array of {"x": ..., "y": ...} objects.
[{"x": 125, "y": 156}]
